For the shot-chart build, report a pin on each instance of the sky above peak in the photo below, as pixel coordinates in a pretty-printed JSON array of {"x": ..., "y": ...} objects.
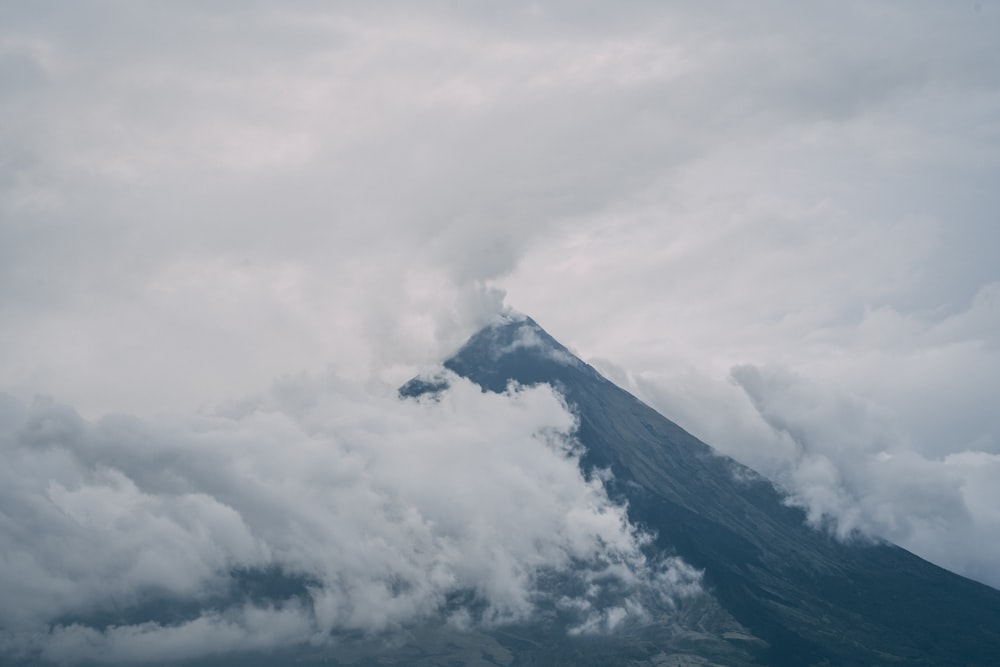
[{"x": 775, "y": 223}]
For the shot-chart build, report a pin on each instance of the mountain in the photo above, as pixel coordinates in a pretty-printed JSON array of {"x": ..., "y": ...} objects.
[
  {"x": 779, "y": 591},
  {"x": 773, "y": 590}
]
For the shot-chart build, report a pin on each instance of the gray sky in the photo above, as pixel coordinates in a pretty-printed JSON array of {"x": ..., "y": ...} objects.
[{"x": 777, "y": 224}]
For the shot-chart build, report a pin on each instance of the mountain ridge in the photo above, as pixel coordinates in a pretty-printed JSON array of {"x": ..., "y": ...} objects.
[{"x": 812, "y": 598}]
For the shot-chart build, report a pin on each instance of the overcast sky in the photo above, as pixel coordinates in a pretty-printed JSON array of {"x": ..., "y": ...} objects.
[{"x": 777, "y": 224}]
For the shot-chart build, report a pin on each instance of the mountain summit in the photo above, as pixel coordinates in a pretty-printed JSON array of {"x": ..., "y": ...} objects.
[{"x": 800, "y": 596}]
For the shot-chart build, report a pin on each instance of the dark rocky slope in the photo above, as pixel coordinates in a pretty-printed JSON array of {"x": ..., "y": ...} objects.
[{"x": 811, "y": 598}]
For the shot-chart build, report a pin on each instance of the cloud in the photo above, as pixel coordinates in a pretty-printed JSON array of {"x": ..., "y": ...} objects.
[
  {"x": 859, "y": 478},
  {"x": 269, "y": 187},
  {"x": 880, "y": 428},
  {"x": 197, "y": 199},
  {"x": 388, "y": 513},
  {"x": 244, "y": 629},
  {"x": 317, "y": 177}
]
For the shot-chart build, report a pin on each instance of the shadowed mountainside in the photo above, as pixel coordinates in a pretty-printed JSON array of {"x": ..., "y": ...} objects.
[{"x": 811, "y": 598}]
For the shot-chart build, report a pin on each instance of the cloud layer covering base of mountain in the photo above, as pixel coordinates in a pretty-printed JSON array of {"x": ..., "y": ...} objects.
[{"x": 386, "y": 512}]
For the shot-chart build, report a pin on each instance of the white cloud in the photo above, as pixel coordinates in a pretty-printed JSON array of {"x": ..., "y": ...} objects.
[
  {"x": 245, "y": 629},
  {"x": 857, "y": 476},
  {"x": 387, "y": 507}
]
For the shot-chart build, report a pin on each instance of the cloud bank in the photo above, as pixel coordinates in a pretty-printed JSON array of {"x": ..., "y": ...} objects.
[{"x": 379, "y": 513}]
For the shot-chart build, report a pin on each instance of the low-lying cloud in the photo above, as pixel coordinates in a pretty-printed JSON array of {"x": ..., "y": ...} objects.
[
  {"x": 379, "y": 512},
  {"x": 858, "y": 476}
]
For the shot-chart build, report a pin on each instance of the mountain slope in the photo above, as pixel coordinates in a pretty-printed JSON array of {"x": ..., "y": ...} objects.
[{"x": 814, "y": 600}]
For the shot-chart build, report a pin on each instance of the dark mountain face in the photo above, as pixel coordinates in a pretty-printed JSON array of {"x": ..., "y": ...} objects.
[{"x": 804, "y": 596}]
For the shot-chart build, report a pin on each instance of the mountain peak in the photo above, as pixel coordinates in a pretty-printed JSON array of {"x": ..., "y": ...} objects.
[
  {"x": 513, "y": 347},
  {"x": 513, "y": 332}
]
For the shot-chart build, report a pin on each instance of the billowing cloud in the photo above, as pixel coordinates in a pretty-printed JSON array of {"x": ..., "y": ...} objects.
[
  {"x": 858, "y": 477},
  {"x": 887, "y": 434},
  {"x": 379, "y": 512}
]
